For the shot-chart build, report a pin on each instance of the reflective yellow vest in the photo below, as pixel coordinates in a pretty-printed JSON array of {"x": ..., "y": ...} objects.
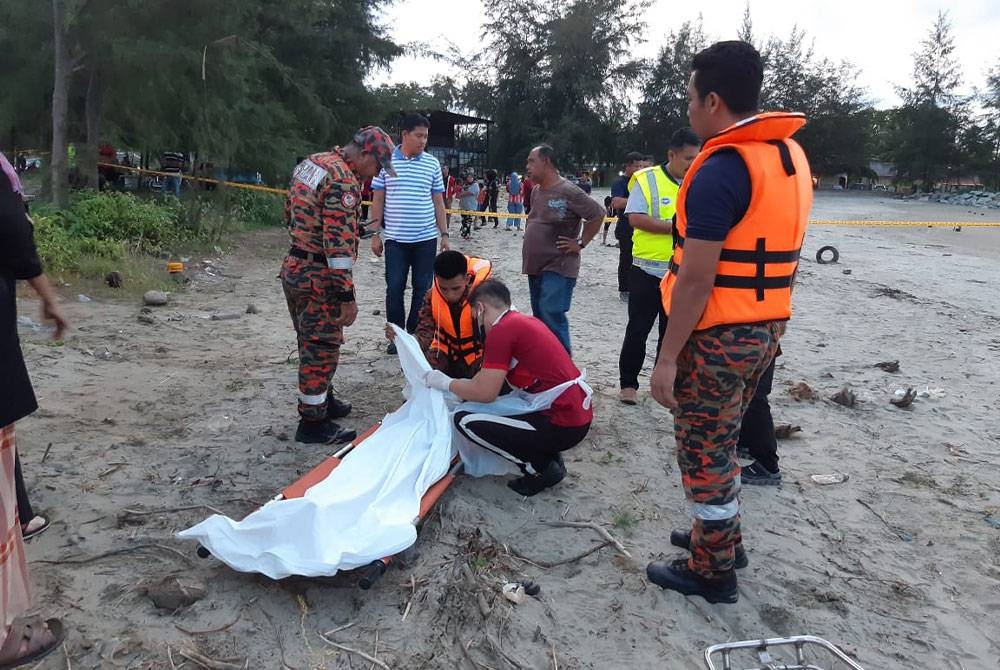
[{"x": 660, "y": 192}]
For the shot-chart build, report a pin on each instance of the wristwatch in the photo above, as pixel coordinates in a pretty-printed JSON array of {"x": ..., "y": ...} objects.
[{"x": 580, "y": 242}]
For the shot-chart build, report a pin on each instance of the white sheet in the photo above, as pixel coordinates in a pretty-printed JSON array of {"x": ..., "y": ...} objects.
[{"x": 364, "y": 510}]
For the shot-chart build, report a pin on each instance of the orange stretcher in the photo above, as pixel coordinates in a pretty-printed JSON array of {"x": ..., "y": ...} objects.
[{"x": 297, "y": 489}]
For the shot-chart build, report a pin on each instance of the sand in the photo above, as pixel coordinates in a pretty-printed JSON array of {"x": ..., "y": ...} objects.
[{"x": 898, "y": 565}]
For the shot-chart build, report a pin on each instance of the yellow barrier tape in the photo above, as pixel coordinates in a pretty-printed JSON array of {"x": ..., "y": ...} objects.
[
  {"x": 206, "y": 180},
  {"x": 907, "y": 224},
  {"x": 609, "y": 219}
]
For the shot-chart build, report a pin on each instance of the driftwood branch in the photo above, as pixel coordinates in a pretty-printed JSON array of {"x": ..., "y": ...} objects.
[
  {"x": 484, "y": 607},
  {"x": 356, "y": 652},
  {"x": 116, "y": 552},
  {"x": 212, "y": 664},
  {"x": 551, "y": 564},
  {"x": 594, "y": 527}
]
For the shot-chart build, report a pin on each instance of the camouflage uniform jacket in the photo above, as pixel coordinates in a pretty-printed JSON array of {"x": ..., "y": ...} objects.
[{"x": 322, "y": 212}]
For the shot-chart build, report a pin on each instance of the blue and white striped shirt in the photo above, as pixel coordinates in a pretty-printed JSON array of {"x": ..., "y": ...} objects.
[{"x": 409, "y": 208}]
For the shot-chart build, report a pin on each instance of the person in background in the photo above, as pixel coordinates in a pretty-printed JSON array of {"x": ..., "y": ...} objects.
[
  {"x": 409, "y": 207},
  {"x": 468, "y": 199},
  {"x": 609, "y": 212},
  {"x": 452, "y": 187},
  {"x": 757, "y": 439},
  {"x": 623, "y": 232},
  {"x": 515, "y": 201},
  {"x": 554, "y": 240},
  {"x": 492, "y": 195},
  {"x": 527, "y": 185},
  {"x": 651, "y": 202},
  {"x": 22, "y": 639},
  {"x": 586, "y": 185}
]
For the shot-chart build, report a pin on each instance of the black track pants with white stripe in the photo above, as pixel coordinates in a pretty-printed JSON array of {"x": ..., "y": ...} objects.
[{"x": 529, "y": 440}]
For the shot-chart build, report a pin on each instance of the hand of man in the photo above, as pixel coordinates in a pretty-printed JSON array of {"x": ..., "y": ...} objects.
[
  {"x": 445, "y": 246},
  {"x": 661, "y": 383},
  {"x": 436, "y": 379},
  {"x": 50, "y": 311},
  {"x": 568, "y": 245},
  {"x": 377, "y": 245},
  {"x": 390, "y": 334},
  {"x": 348, "y": 314}
]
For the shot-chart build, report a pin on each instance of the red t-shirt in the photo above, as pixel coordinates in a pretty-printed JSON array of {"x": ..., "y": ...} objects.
[{"x": 535, "y": 361}]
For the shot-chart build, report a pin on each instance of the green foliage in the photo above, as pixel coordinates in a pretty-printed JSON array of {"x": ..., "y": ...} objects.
[
  {"x": 256, "y": 209},
  {"x": 146, "y": 226}
]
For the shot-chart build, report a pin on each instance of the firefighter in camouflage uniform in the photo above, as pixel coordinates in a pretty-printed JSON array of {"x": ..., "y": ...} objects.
[
  {"x": 741, "y": 217},
  {"x": 322, "y": 214}
]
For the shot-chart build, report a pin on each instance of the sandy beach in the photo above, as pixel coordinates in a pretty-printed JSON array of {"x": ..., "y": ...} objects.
[{"x": 146, "y": 428}]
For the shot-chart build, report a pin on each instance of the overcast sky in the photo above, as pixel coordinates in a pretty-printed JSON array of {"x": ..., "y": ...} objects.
[{"x": 877, "y": 36}]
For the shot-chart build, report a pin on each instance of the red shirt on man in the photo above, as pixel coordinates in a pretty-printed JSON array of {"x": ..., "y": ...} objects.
[{"x": 536, "y": 361}]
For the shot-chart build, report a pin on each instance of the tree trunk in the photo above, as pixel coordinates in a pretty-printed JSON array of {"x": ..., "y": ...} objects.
[
  {"x": 60, "y": 106},
  {"x": 94, "y": 100}
]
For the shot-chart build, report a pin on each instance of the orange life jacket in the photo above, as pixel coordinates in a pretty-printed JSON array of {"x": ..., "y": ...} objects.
[
  {"x": 459, "y": 341},
  {"x": 753, "y": 281}
]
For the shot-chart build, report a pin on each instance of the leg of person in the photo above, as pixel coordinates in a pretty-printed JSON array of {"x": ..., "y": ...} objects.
[
  {"x": 319, "y": 343},
  {"x": 713, "y": 372},
  {"x": 492, "y": 206},
  {"x": 31, "y": 525},
  {"x": 422, "y": 255},
  {"x": 535, "y": 295},
  {"x": 519, "y": 210},
  {"x": 397, "y": 269},
  {"x": 757, "y": 435},
  {"x": 624, "y": 265},
  {"x": 554, "y": 301},
  {"x": 604, "y": 236},
  {"x": 528, "y": 440},
  {"x": 21, "y": 640},
  {"x": 644, "y": 305}
]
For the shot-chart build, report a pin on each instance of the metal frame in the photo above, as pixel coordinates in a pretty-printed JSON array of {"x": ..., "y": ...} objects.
[{"x": 762, "y": 648}]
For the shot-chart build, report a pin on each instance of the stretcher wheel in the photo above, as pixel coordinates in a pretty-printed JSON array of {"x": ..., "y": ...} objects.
[
  {"x": 834, "y": 256},
  {"x": 372, "y": 574},
  {"x": 203, "y": 552}
]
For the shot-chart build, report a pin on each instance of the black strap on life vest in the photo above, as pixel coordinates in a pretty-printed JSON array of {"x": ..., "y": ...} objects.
[
  {"x": 759, "y": 257},
  {"x": 786, "y": 156}
]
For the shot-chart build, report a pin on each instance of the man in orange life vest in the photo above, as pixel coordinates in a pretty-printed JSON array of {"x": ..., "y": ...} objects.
[
  {"x": 741, "y": 218},
  {"x": 445, "y": 327}
]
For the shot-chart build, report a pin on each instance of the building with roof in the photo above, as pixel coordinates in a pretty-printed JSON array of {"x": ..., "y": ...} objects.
[{"x": 456, "y": 140}]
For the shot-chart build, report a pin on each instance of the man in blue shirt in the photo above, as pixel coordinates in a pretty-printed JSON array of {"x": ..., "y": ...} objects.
[
  {"x": 623, "y": 232},
  {"x": 409, "y": 209}
]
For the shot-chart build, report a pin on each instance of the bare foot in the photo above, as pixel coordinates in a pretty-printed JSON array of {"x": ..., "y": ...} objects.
[
  {"x": 628, "y": 396},
  {"x": 29, "y": 640}
]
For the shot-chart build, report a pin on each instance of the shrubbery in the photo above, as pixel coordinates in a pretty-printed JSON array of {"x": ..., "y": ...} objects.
[{"x": 109, "y": 224}]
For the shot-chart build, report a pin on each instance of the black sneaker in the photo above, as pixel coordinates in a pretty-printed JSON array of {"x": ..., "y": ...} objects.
[
  {"x": 756, "y": 474},
  {"x": 682, "y": 539},
  {"x": 323, "y": 432},
  {"x": 337, "y": 409},
  {"x": 391, "y": 349},
  {"x": 677, "y": 576},
  {"x": 530, "y": 485}
]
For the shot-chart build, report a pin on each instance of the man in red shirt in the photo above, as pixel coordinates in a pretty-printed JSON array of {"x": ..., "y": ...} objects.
[{"x": 522, "y": 351}]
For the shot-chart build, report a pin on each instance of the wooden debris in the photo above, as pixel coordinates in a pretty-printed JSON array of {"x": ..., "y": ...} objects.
[{"x": 594, "y": 527}]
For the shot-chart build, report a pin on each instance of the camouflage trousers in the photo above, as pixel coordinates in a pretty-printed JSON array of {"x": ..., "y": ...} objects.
[
  {"x": 313, "y": 309},
  {"x": 717, "y": 373}
]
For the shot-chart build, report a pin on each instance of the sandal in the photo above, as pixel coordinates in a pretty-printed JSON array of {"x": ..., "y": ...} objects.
[
  {"x": 37, "y": 530},
  {"x": 29, "y": 640}
]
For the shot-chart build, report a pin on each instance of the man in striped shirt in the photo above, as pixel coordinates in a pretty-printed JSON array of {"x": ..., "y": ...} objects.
[{"x": 409, "y": 208}]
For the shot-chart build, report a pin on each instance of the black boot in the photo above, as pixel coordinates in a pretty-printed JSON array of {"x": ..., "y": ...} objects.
[
  {"x": 677, "y": 576},
  {"x": 337, "y": 409},
  {"x": 682, "y": 539},
  {"x": 323, "y": 432},
  {"x": 530, "y": 485}
]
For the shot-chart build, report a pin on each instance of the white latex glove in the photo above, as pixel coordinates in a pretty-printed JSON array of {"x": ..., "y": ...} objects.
[{"x": 436, "y": 379}]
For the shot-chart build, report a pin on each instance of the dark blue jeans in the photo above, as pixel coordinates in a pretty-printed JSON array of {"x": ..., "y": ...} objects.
[
  {"x": 400, "y": 259},
  {"x": 551, "y": 295}
]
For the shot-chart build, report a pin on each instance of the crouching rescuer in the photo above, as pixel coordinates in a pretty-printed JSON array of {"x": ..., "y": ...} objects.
[
  {"x": 322, "y": 213},
  {"x": 448, "y": 334},
  {"x": 549, "y": 407}
]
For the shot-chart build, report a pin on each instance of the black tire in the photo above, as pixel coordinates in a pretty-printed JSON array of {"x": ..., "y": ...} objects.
[{"x": 833, "y": 258}]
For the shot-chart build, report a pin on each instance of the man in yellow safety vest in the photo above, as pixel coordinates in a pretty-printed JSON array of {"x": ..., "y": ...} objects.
[{"x": 650, "y": 209}]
